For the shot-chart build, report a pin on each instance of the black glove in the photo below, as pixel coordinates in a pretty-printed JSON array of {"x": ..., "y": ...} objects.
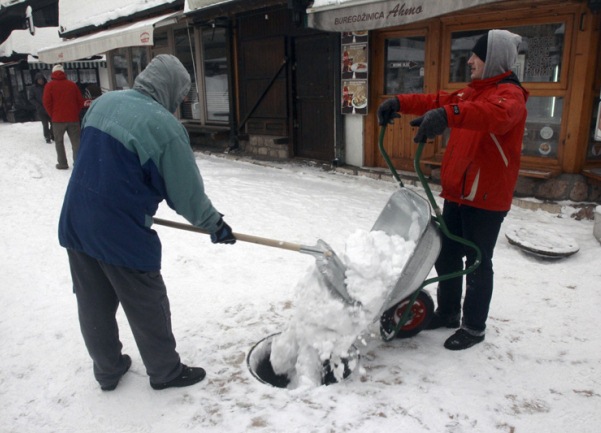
[
  {"x": 388, "y": 111},
  {"x": 431, "y": 124},
  {"x": 223, "y": 234}
]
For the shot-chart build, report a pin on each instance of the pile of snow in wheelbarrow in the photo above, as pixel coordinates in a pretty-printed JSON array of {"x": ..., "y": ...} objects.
[{"x": 319, "y": 344}]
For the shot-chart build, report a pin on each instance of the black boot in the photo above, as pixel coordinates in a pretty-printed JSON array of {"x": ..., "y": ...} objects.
[
  {"x": 112, "y": 386},
  {"x": 439, "y": 321},
  {"x": 188, "y": 376},
  {"x": 463, "y": 339}
]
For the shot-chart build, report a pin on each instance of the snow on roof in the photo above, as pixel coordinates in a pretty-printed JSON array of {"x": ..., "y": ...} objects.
[
  {"x": 8, "y": 3},
  {"x": 73, "y": 16},
  {"x": 23, "y": 42}
]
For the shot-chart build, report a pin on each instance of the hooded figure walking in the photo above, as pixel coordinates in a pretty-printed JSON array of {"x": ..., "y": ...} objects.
[
  {"x": 479, "y": 172},
  {"x": 37, "y": 99},
  {"x": 134, "y": 153}
]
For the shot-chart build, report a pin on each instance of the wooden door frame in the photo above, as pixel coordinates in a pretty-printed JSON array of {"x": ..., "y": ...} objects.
[
  {"x": 334, "y": 40},
  {"x": 430, "y": 30}
]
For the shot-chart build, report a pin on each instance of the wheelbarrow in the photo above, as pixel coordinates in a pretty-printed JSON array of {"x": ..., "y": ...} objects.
[{"x": 408, "y": 308}]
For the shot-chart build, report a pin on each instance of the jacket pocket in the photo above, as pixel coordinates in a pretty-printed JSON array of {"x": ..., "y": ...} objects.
[{"x": 455, "y": 177}]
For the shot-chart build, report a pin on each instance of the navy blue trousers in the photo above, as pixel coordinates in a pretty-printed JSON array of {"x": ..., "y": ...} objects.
[
  {"x": 482, "y": 228},
  {"x": 100, "y": 288}
]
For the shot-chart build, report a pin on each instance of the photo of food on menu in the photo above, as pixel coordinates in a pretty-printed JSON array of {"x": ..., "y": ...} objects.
[{"x": 354, "y": 97}]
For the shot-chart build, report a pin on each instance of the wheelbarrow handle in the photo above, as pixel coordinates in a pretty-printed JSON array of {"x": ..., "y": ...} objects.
[{"x": 239, "y": 236}]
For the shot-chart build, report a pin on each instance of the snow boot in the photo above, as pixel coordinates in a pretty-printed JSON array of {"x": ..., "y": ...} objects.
[
  {"x": 188, "y": 376},
  {"x": 112, "y": 386},
  {"x": 463, "y": 339},
  {"x": 439, "y": 321}
]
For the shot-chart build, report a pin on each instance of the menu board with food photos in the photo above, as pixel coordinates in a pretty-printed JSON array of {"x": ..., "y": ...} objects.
[{"x": 354, "y": 72}]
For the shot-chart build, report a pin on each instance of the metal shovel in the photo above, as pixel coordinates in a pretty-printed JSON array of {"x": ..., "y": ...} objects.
[{"x": 330, "y": 267}]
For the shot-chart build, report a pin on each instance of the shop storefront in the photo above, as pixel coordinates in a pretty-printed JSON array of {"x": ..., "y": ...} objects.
[
  {"x": 559, "y": 64},
  {"x": 281, "y": 77},
  {"x": 17, "y": 79},
  {"x": 129, "y": 48}
]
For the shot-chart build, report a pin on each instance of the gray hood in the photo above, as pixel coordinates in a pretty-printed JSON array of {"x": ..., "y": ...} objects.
[
  {"x": 165, "y": 80},
  {"x": 501, "y": 53}
]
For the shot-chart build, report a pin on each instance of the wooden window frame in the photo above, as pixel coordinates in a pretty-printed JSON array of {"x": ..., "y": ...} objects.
[{"x": 543, "y": 167}]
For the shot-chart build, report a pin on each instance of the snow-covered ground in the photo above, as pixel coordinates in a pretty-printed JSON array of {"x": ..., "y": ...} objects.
[{"x": 538, "y": 371}]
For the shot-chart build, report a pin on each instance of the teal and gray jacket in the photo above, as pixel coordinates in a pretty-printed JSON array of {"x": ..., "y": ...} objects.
[{"x": 134, "y": 154}]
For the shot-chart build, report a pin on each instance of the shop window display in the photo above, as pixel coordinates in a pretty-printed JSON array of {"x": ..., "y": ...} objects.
[
  {"x": 405, "y": 59},
  {"x": 216, "y": 74}
]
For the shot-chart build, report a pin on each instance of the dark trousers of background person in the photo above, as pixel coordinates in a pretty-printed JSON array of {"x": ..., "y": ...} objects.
[
  {"x": 73, "y": 130},
  {"x": 46, "y": 126},
  {"x": 482, "y": 228},
  {"x": 100, "y": 288}
]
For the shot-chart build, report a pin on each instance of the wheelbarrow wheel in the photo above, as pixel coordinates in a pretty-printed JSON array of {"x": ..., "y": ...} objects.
[{"x": 421, "y": 314}]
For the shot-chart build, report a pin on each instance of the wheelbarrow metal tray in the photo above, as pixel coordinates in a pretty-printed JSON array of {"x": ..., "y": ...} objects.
[{"x": 408, "y": 215}]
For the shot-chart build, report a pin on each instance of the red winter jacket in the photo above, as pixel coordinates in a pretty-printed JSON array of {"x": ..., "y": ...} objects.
[
  {"x": 481, "y": 163},
  {"x": 62, "y": 99}
]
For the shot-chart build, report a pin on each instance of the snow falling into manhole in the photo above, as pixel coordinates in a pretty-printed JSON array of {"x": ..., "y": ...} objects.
[
  {"x": 318, "y": 345},
  {"x": 259, "y": 365}
]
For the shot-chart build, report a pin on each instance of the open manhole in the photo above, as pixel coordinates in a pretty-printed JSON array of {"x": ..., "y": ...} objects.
[{"x": 260, "y": 366}]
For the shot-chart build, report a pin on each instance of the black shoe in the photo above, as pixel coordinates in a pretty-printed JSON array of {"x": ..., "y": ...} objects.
[
  {"x": 188, "y": 376},
  {"x": 48, "y": 140},
  {"x": 438, "y": 321},
  {"x": 112, "y": 386},
  {"x": 462, "y": 339},
  {"x": 62, "y": 167}
]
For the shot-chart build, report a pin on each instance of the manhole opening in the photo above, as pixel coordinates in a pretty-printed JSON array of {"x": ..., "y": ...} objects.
[{"x": 260, "y": 366}]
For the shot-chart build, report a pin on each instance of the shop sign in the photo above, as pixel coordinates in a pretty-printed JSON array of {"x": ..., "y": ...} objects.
[{"x": 367, "y": 15}]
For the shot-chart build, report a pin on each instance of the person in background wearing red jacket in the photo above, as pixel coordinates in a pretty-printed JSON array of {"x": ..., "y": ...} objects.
[
  {"x": 479, "y": 172},
  {"x": 63, "y": 102}
]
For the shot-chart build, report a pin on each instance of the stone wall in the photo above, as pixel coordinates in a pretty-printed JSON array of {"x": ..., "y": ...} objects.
[
  {"x": 573, "y": 187},
  {"x": 266, "y": 147}
]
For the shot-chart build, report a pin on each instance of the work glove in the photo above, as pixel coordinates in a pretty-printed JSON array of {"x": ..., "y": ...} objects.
[
  {"x": 223, "y": 234},
  {"x": 431, "y": 124},
  {"x": 388, "y": 111}
]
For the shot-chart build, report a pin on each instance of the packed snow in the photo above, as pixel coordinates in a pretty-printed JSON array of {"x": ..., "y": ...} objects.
[
  {"x": 324, "y": 326},
  {"x": 538, "y": 370}
]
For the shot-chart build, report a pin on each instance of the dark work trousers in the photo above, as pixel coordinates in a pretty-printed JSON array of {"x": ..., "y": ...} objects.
[
  {"x": 482, "y": 228},
  {"x": 46, "y": 125},
  {"x": 73, "y": 131},
  {"x": 99, "y": 289}
]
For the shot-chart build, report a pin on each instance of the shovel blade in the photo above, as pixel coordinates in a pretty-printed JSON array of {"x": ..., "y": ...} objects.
[{"x": 331, "y": 270}]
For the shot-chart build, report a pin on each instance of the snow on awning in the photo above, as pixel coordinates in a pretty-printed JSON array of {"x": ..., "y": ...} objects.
[
  {"x": 193, "y": 5},
  {"x": 356, "y": 15},
  {"x": 140, "y": 33}
]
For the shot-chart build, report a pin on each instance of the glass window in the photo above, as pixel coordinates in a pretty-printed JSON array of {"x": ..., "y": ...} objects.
[
  {"x": 216, "y": 74},
  {"x": 405, "y": 59},
  {"x": 120, "y": 68},
  {"x": 184, "y": 51},
  {"x": 541, "y": 136},
  {"x": 594, "y": 150},
  {"x": 160, "y": 40},
  {"x": 539, "y": 59},
  {"x": 139, "y": 60}
]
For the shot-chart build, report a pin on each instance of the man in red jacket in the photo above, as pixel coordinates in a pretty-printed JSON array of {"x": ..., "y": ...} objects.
[
  {"x": 479, "y": 171},
  {"x": 63, "y": 102}
]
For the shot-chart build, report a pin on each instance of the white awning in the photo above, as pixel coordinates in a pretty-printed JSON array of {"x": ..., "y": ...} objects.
[
  {"x": 357, "y": 15},
  {"x": 140, "y": 33}
]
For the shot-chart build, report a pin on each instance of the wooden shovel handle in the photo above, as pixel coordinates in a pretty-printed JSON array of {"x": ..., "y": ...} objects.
[{"x": 239, "y": 236}]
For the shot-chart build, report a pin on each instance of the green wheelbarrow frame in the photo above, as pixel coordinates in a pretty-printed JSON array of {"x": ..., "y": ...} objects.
[{"x": 438, "y": 222}]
